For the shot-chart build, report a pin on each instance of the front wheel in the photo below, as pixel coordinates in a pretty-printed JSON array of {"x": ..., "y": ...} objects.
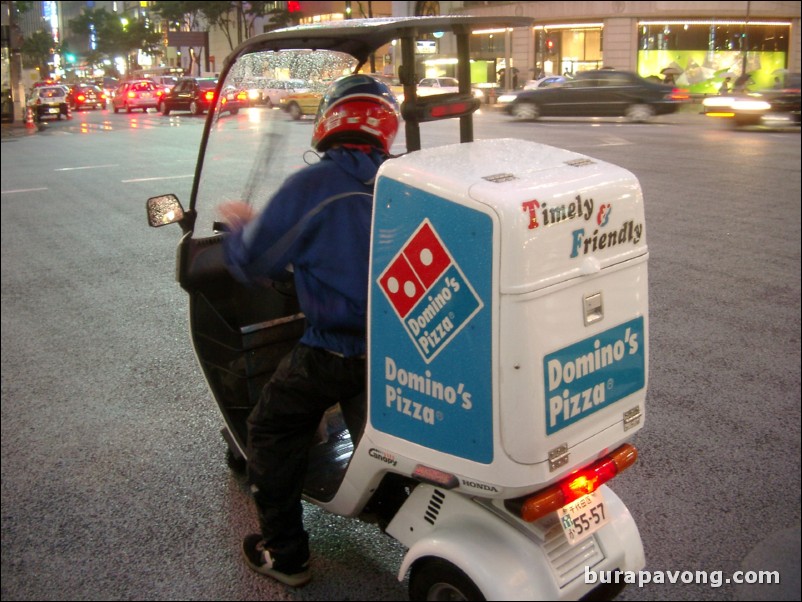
[
  {"x": 437, "y": 579},
  {"x": 526, "y": 110},
  {"x": 639, "y": 113}
]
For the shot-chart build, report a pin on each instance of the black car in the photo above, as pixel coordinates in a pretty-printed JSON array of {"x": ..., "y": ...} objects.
[
  {"x": 781, "y": 103},
  {"x": 598, "y": 93},
  {"x": 87, "y": 97},
  {"x": 197, "y": 95}
]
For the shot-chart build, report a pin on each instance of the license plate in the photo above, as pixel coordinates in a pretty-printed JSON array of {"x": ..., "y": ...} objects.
[
  {"x": 51, "y": 110},
  {"x": 145, "y": 95},
  {"x": 583, "y": 517}
]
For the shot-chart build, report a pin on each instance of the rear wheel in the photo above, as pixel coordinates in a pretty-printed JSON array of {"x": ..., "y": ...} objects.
[
  {"x": 295, "y": 111},
  {"x": 195, "y": 108},
  {"x": 437, "y": 579},
  {"x": 639, "y": 113},
  {"x": 234, "y": 111},
  {"x": 163, "y": 108},
  {"x": 526, "y": 110}
]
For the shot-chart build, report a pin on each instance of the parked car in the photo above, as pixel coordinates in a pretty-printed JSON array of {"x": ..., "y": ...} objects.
[
  {"x": 136, "y": 94},
  {"x": 545, "y": 82},
  {"x": 597, "y": 93},
  {"x": 84, "y": 96},
  {"x": 48, "y": 101},
  {"x": 441, "y": 85},
  {"x": 197, "y": 95},
  {"x": 769, "y": 105}
]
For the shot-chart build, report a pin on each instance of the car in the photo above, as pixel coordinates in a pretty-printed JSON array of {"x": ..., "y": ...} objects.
[
  {"x": 303, "y": 104},
  {"x": 545, "y": 82},
  {"x": 197, "y": 95},
  {"x": 780, "y": 104},
  {"x": 275, "y": 89},
  {"x": 86, "y": 96},
  {"x": 437, "y": 85},
  {"x": 441, "y": 85},
  {"x": 49, "y": 101},
  {"x": 597, "y": 93},
  {"x": 136, "y": 94}
]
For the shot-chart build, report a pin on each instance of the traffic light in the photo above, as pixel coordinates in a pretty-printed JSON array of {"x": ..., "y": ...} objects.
[{"x": 69, "y": 57}]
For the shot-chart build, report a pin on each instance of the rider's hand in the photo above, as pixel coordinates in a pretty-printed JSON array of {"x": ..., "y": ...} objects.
[{"x": 235, "y": 214}]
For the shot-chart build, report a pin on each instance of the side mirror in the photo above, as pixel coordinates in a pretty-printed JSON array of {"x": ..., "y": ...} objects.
[{"x": 163, "y": 210}]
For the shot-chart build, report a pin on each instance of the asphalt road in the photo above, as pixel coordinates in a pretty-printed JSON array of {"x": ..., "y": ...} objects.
[{"x": 114, "y": 482}]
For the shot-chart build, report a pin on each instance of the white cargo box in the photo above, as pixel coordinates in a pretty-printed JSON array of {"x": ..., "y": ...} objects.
[{"x": 509, "y": 311}]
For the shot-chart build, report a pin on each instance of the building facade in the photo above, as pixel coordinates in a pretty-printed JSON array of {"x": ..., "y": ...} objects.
[{"x": 698, "y": 41}]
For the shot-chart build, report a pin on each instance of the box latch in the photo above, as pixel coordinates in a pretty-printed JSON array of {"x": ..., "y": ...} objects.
[{"x": 594, "y": 310}]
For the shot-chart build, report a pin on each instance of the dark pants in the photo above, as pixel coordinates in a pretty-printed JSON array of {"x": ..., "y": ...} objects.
[{"x": 281, "y": 428}]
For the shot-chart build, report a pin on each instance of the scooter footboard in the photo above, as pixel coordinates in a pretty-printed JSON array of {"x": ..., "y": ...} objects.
[{"x": 506, "y": 558}]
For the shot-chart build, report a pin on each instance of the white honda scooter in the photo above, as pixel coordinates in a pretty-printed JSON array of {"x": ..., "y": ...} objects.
[{"x": 507, "y": 335}]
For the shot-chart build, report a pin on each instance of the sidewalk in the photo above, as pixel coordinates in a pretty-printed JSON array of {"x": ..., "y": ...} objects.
[{"x": 17, "y": 130}]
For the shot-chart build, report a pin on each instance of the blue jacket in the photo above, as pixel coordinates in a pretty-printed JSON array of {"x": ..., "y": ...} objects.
[{"x": 318, "y": 223}]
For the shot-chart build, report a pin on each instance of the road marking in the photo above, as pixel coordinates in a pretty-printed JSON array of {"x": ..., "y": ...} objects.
[
  {"x": 86, "y": 167},
  {"x": 153, "y": 179},
  {"x": 22, "y": 190}
]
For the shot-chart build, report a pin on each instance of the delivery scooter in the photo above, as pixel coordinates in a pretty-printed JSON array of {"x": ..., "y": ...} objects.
[{"x": 507, "y": 333}]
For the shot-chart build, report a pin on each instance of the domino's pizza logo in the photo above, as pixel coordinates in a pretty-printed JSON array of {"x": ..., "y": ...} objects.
[{"x": 429, "y": 292}]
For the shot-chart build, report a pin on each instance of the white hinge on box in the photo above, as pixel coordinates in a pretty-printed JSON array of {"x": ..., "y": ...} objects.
[
  {"x": 558, "y": 457},
  {"x": 632, "y": 418}
]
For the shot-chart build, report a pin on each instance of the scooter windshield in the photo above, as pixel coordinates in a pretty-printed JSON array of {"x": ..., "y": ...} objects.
[{"x": 261, "y": 129}]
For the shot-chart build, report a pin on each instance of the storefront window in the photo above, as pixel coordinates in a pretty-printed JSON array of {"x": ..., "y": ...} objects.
[
  {"x": 702, "y": 54},
  {"x": 564, "y": 49}
]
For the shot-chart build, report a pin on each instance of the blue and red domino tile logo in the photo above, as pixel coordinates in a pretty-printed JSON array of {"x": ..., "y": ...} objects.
[{"x": 430, "y": 294}]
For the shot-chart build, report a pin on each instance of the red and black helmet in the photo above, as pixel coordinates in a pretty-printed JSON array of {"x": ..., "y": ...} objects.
[{"x": 357, "y": 109}]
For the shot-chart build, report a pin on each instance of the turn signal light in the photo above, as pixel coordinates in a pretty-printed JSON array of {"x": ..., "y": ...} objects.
[{"x": 579, "y": 483}]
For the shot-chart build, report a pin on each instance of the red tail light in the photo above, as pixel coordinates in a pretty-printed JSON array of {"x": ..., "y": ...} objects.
[
  {"x": 209, "y": 96},
  {"x": 679, "y": 94},
  {"x": 574, "y": 486},
  {"x": 81, "y": 97},
  {"x": 132, "y": 95}
]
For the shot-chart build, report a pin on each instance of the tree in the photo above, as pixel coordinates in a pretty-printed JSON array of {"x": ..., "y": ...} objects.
[
  {"x": 182, "y": 16},
  {"x": 37, "y": 51},
  {"x": 115, "y": 38}
]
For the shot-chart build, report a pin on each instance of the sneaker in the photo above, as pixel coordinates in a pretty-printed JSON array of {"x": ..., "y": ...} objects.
[{"x": 259, "y": 559}]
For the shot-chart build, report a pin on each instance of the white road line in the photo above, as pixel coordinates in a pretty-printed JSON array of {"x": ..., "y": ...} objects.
[
  {"x": 22, "y": 190},
  {"x": 86, "y": 167},
  {"x": 152, "y": 179}
]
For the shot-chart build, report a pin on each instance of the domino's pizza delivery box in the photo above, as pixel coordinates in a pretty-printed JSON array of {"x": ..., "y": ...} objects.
[{"x": 509, "y": 319}]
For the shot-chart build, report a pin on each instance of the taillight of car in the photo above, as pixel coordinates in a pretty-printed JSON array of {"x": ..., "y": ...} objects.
[
  {"x": 209, "y": 96},
  {"x": 159, "y": 92},
  {"x": 680, "y": 94},
  {"x": 132, "y": 94},
  {"x": 242, "y": 96},
  {"x": 81, "y": 97}
]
